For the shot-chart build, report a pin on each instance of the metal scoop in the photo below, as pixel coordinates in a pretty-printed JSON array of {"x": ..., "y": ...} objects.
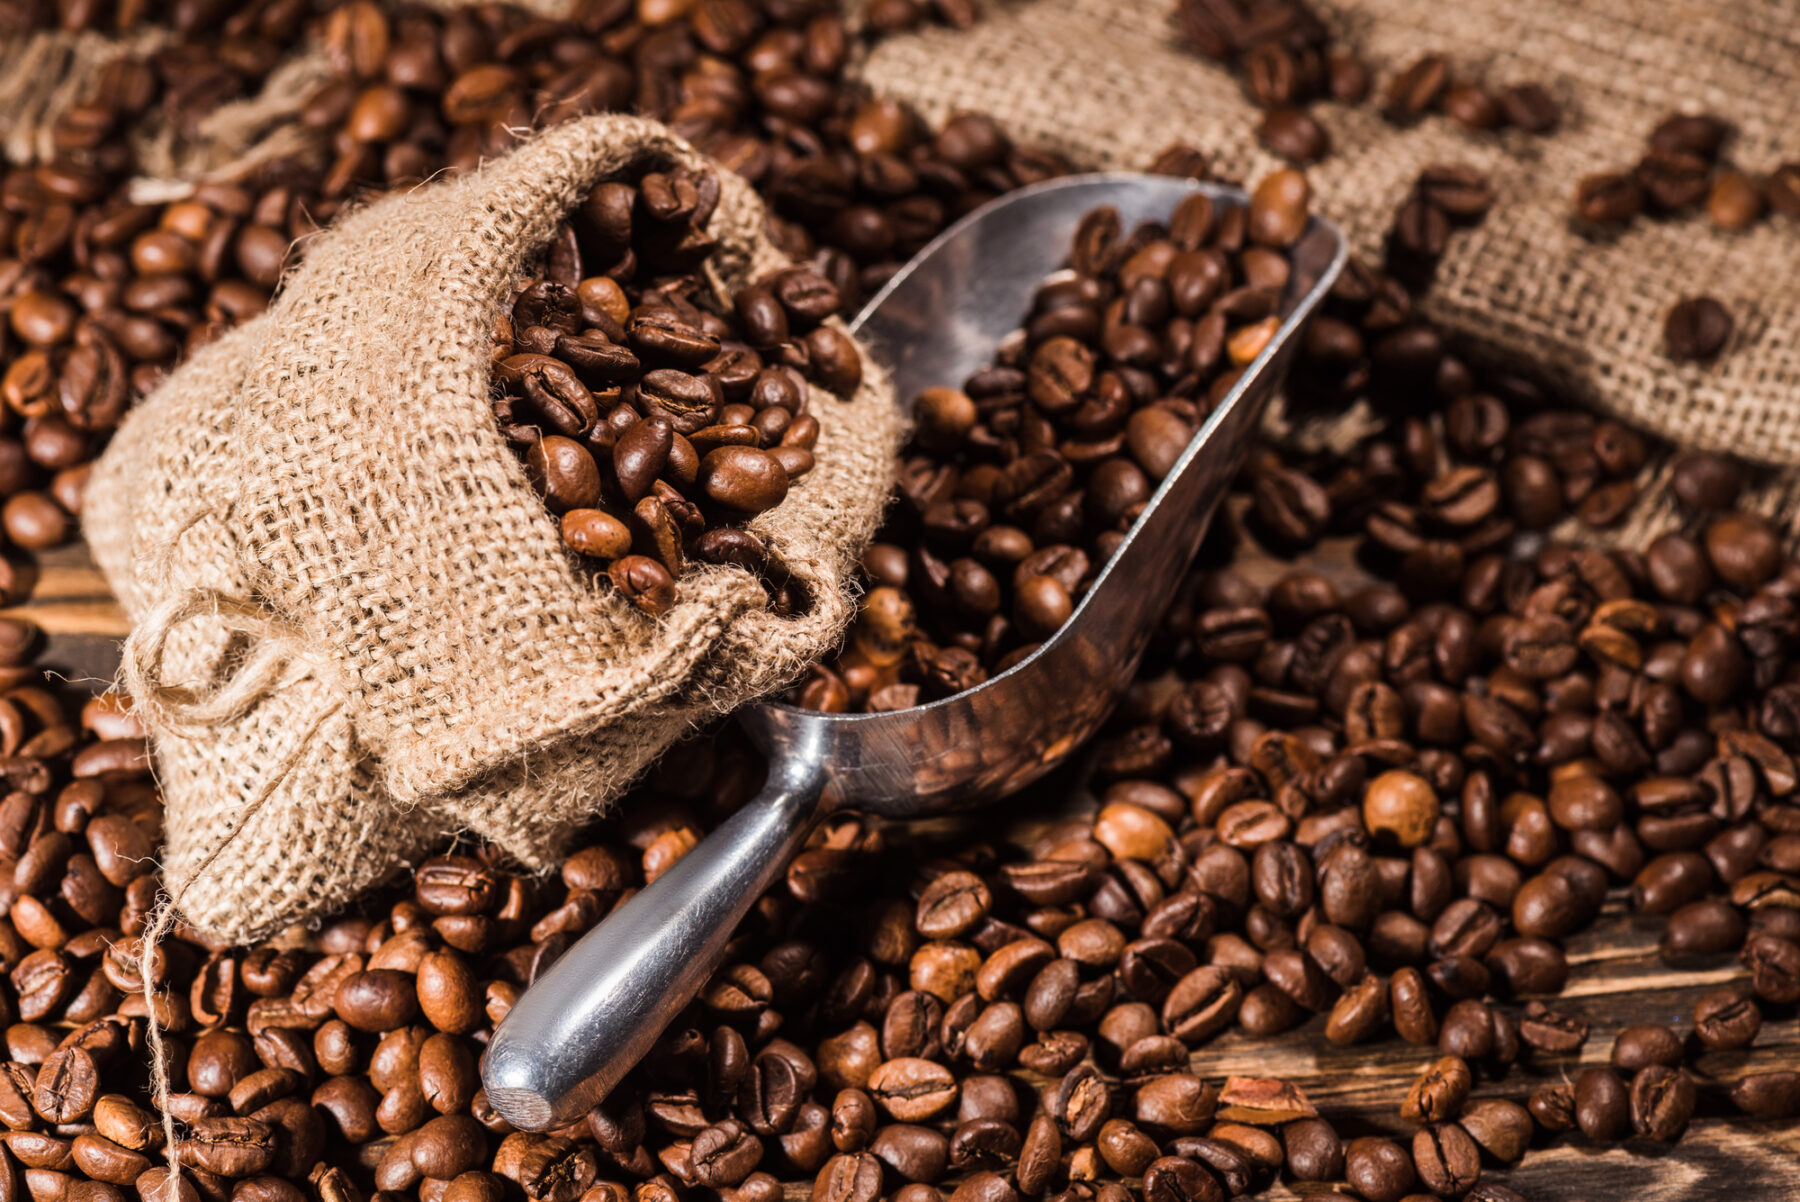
[{"x": 584, "y": 1024}]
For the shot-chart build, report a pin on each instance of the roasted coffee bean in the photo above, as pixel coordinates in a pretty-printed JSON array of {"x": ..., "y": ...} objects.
[
  {"x": 1697, "y": 328},
  {"x": 1379, "y": 1169},
  {"x": 1446, "y": 1159},
  {"x": 1636, "y": 1047},
  {"x": 1501, "y": 1127},
  {"x": 1438, "y": 1093},
  {"x": 1726, "y": 1019},
  {"x": 1178, "y": 1179},
  {"x": 1662, "y": 1101},
  {"x": 1417, "y": 89},
  {"x": 1773, "y": 1095},
  {"x": 1602, "y": 1106},
  {"x": 912, "y": 1089},
  {"x": 1551, "y": 1031}
]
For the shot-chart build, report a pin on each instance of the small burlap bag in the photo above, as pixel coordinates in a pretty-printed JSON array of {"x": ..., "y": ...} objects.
[
  {"x": 1107, "y": 83},
  {"x": 355, "y": 628}
]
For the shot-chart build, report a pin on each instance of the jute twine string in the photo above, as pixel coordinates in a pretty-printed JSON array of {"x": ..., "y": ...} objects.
[{"x": 276, "y": 659}]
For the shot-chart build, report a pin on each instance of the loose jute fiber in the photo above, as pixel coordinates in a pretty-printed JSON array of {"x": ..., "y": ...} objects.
[
  {"x": 355, "y": 628},
  {"x": 1107, "y": 83}
]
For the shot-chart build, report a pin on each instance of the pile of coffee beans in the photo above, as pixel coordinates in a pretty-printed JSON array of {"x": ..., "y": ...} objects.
[
  {"x": 1017, "y": 487},
  {"x": 1373, "y": 805},
  {"x": 974, "y": 568},
  {"x": 1682, "y": 170},
  {"x": 1335, "y": 805},
  {"x": 653, "y": 421},
  {"x": 857, "y": 185}
]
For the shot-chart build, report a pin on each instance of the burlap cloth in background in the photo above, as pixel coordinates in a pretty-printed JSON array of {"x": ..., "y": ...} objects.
[
  {"x": 1106, "y": 83},
  {"x": 355, "y": 627}
]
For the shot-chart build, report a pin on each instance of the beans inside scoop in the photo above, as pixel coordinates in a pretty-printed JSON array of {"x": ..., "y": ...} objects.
[{"x": 1017, "y": 487}]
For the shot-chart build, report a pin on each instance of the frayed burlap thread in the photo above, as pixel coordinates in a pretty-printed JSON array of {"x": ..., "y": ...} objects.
[
  {"x": 1106, "y": 83},
  {"x": 230, "y": 143},
  {"x": 45, "y": 73},
  {"x": 321, "y": 500}
]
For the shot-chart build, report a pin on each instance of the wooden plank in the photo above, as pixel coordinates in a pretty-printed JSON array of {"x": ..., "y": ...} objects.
[{"x": 82, "y": 623}]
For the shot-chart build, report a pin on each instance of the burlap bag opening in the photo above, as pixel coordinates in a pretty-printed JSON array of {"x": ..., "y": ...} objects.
[
  {"x": 1107, "y": 83},
  {"x": 355, "y": 628}
]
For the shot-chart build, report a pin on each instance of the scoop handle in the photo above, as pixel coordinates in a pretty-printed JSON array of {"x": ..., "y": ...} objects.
[{"x": 583, "y": 1024}]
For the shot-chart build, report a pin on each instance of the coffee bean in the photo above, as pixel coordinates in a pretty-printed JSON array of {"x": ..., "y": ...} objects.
[
  {"x": 1609, "y": 198},
  {"x": 1438, "y": 1093},
  {"x": 563, "y": 471},
  {"x": 230, "y": 1147},
  {"x": 1696, "y": 328},
  {"x": 1768, "y": 1095},
  {"x": 1726, "y": 1019},
  {"x": 1202, "y": 1004},
  {"x": 645, "y": 583},
  {"x": 1447, "y": 1160},
  {"x": 1278, "y": 208},
  {"x": 377, "y": 1000},
  {"x": 912, "y": 1089},
  {"x": 1744, "y": 551},
  {"x": 1602, "y": 1107},
  {"x": 1502, "y": 1128},
  {"x": 1379, "y": 1169},
  {"x": 1177, "y": 1179},
  {"x": 1417, "y": 89},
  {"x": 1551, "y": 1031},
  {"x": 1662, "y": 1101},
  {"x": 1294, "y": 134},
  {"x": 1401, "y": 805},
  {"x": 848, "y": 1178},
  {"x": 1638, "y": 1046}
]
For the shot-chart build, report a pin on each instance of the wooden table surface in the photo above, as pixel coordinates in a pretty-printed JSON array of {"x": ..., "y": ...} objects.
[{"x": 1616, "y": 979}]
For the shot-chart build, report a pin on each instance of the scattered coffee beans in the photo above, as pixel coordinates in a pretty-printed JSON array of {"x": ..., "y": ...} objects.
[{"x": 1385, "y": 803}]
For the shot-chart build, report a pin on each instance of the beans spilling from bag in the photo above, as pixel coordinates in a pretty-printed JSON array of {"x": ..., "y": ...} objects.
[{"x": 653, "y": 421}]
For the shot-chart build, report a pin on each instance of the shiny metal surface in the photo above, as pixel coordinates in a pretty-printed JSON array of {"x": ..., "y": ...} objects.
[{"x": 592, "y": 1016}]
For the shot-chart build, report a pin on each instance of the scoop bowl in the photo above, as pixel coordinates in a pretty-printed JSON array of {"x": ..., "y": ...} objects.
[{"x": 593, "y": 1015}]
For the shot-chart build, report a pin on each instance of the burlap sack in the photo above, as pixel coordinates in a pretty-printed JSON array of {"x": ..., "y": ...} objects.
[
  {"x": 1107, "y": 83},
  {"x": 355, "y": 628}
]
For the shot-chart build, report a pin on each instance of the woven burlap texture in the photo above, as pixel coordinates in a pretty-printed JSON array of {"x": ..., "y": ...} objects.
[
  {"x": 355, "y": 628},
  {"x": 1106, "y": 82}
]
